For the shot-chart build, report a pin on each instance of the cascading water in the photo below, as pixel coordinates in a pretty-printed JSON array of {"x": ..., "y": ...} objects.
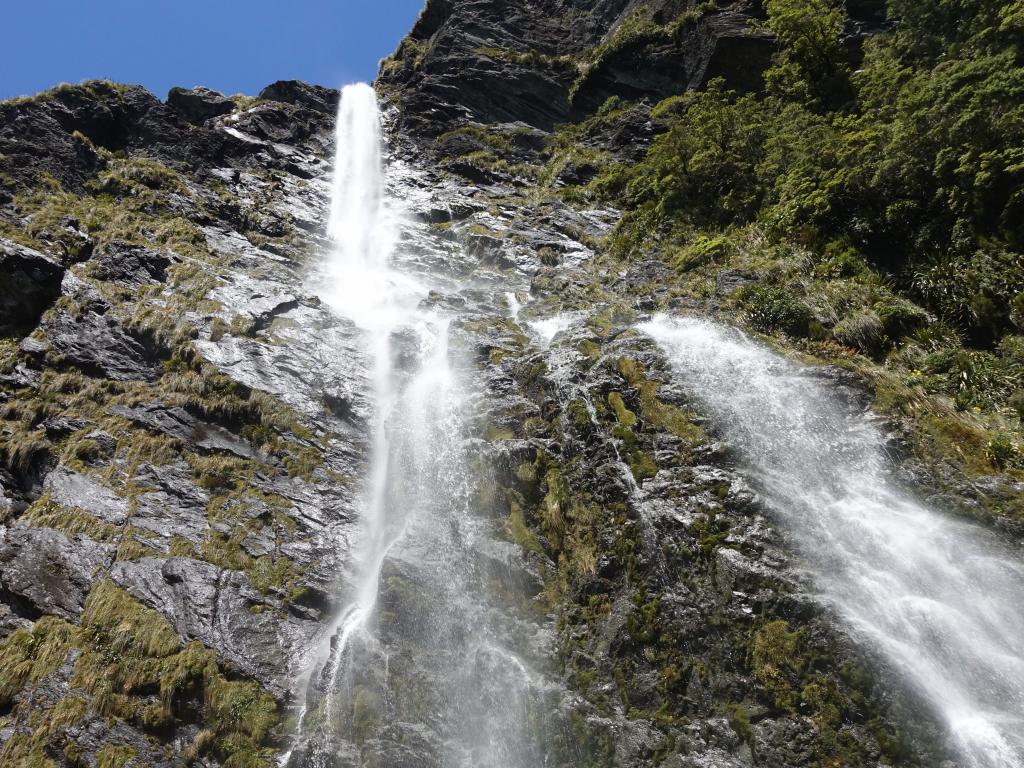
[
  {"x": 938, "y": 598},
  {"x": 416, "y": 670}
]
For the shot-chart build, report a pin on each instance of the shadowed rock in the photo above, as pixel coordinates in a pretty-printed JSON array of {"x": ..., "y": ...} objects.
[
  {"x": 302, "y": 94},
  {"x": 180, "y": 424},
  {"x": 199, "y": 104},
  {"x": 131, "y": 265},
  {"x": 29, "y": 284},
  {"x": 99, "y": 344}
]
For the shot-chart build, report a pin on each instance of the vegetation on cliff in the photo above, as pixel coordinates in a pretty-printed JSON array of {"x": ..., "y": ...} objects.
[{"x": 870, "y": 207}]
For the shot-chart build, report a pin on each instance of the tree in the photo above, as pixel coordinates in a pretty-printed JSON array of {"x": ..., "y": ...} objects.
[{"x": 812, "y": 66}]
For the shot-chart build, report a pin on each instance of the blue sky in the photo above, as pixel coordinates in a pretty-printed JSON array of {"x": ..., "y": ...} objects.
[{"x": 233, "y": 46}]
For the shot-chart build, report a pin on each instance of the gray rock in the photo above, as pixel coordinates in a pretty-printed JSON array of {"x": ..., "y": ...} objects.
[
  {"x": 77, "y": 244},
  {"x": 106, "y": 443},
  {"x": 99, "y": 344},
  {"x": 39, "y": 134},
  {"x": 62, "y": 427},
  {"x": 130, "y": 265},
  {"x": 730, "y": 280},
  {"x": 49, "y": 572},
  {"x": 199, "y": 104},
  {"x": 11, "y": 622},
  {"x": 302, "y": 95},
  {"x": 180, "y": 424},
  {"x": 175, "y": 507},
  {"x": 74, "y": 490},
  {"x": 85, "y": 293},
  {"x": 94, "y": 732},
  {"x": 213, "y": 606}
]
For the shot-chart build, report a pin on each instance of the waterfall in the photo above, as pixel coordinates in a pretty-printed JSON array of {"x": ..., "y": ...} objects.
[
  {"x": 357, "y": 189},
  {"x": 415, "y": 661},
  {"x": 938, "y": 598}
]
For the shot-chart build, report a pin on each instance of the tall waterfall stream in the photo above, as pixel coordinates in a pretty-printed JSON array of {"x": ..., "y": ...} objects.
[
  {"x": 936, "y": 597},
  {"x": 435, "y": 659}
]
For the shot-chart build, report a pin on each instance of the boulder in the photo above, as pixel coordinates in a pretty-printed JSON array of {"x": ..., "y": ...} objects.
[
  {"x": 74, "y": 490},
  {"x": 302, "y": 94},
  {"x": 180, "y": 424},
  {"x": 170, "y": 506},
  {"x": 100, "y": 345},
  {"x": 58, "y": 132},
  {"x": 199, "y": 104},
  {"x": 214, "y": 606},
  {"x": 728, "y": 281}
]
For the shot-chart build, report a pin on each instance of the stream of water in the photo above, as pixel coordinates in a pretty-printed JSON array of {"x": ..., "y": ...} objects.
[
  {"x": 416, "y": 669},
  {"x": 937, "y": 597}
]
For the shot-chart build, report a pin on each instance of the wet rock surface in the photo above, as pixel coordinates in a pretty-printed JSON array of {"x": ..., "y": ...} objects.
[
  {"x": 98, "y": 344},
  {"x": 44, "y": 572},
  {"x": 185, "y": 424},
  {"x": 131, "y": 265},
  {"x": 139, "y": 481},
  {"x": 667, "y": 585},
  {"x": 502, "y": 62}
]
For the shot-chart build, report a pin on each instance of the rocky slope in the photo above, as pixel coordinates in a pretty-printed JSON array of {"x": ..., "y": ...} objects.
[
  {"x": 175, "y": 473},
  {"x": 184, "y": 424}
]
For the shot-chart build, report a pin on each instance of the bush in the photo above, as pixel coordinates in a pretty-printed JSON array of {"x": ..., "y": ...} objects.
[
  {"x": 704, "y": 250},
  {"x": 1001, "y": 451},
  {"x": 776, "y": 309},
  {"x": 921, "y": 174},
  {"x": 976, "y": 291},
  {"x": 704, "y": 168},
  {"x": 900, "y": 317},
  {"x": 812, "y": 65}
]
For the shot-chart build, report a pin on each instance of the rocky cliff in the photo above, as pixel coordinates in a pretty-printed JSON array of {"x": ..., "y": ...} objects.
[
  {"x": 170, "y": 513},
  {"x": 184, "y": 424}
]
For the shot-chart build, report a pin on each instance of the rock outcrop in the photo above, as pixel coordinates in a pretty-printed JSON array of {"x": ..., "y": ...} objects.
[
  {"x": 29, "y": 284},
  {"x": 199, "y": 104}
]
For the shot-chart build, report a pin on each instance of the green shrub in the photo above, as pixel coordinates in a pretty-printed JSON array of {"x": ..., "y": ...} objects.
[
  {"x": 900, "y": 317},
  {"x": 776, "y": 309},
  {"x": 704, "y": 250},
  {"x": 812, "y": 65},
  {"x": 976, "y": 291},
  {"x": 1002, "y": 451},
  {"x": 775, "y": 656},
  {"x": 704, "y": 167}
]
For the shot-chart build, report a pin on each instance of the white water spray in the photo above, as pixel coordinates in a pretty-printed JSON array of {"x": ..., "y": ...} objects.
[
  {"x": 357, "y": 190},
  {"x": 937, "y": 597},
  {"x": 415, "y": 611},
  {"x": 364, "y": 288}
]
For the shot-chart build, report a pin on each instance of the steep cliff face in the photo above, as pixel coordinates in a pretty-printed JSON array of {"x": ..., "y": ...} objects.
[
  {"x": 681, "y": 624},
  {"x": 539, "y": 63},
  {"x": 546, "y": 63},
  {"x": 184, "y": 424},
  {"x": 171, "y": 514},
  {"x": 682, "y": 619}
]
